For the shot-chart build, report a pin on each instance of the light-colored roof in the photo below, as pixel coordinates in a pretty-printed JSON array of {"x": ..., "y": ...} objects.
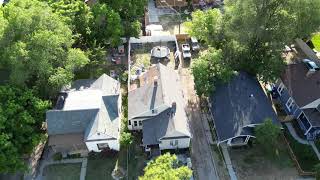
[
  {"x": 152, "y": 103},
  {"x": 91, "y": 107}
]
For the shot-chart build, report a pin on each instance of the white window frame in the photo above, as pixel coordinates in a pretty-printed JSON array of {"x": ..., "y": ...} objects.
[
  {"x": 102, "y": 146},
  {"x": 290, "y": 104},
  {"x": 135, "y": 123},
  {"x": 174, "y": 142},
  {"x": 280, "y": 88},
  {"x": 140, "y": 123}
]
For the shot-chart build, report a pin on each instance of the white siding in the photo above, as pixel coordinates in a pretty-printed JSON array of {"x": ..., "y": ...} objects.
[
  {"x": 93, "y": 145},
  {"x": 182, "y": 143},
  {"x": 132, "y": 127}
]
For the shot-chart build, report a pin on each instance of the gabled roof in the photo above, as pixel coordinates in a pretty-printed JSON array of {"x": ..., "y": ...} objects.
[
  {"x": 304, "y": 89},
  {"x": 90, "y": 107},
  {"x": 152, "y": 102},
  {"x": 239, "y": 103}
]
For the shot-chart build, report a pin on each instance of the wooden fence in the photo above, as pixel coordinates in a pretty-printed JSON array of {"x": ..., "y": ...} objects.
[{"x": 296, "y": 162}]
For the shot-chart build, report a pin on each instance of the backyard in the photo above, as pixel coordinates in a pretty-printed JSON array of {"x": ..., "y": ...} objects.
[{"x": 62, "y": 172}]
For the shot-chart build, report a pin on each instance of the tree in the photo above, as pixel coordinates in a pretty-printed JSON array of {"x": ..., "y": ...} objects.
[
  {"x": 253, "y": 33},
  {"x": 261, "y": 29},
  {"x": 21, "y": 117},
  {"x": 206, "y": 26},
  {"x": 165, "y": 167},
  {"x": 37, "y": 46},
  {"x": 126, "y": 139},
  {"x": 209, "y": 71},
  {"x": 267, "y": 135},
  {"x": 78, "y": 16}
]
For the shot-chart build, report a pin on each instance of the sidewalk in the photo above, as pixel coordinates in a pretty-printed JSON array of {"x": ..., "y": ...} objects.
[
  {"x": 300, "y": 140},
  {"x": 228, "y": 161}
]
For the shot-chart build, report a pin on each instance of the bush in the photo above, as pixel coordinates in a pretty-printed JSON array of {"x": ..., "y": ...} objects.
[{"x": 57, "y": 156}]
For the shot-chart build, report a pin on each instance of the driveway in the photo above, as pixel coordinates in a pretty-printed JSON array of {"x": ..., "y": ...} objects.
[{"x": 201, "y": 154}]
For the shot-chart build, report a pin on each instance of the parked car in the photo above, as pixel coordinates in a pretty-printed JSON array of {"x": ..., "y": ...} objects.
[
  {"x": 186, "y": 53},
  {"x": 195, "y": 45},
  {"x": 312, "y": 66}
]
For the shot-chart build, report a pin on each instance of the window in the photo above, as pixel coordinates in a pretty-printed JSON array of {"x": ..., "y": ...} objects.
[
  {"x": 129, "y": 122},
  {"x": 290, "y": 104},
  {"x": 103, "y": 146},
  {"x": 173, "y": 142},
  {"x": 135, "y": 123},
  {"x": 280, "y": 89},
  {"x": 140, "y": 123}
]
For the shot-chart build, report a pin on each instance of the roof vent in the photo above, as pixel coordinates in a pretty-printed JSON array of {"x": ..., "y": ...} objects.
[
  {"x": 251, "y": 96},
  {"x": 154, "y": 111}
]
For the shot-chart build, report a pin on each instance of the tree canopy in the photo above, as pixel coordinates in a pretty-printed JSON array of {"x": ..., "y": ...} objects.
[
  {"x": 209, "y": 70},
  {"x": 252, "y": 33},
  {"x": 267, "y": 135},
  {"x": 37, "y": 46},
  {"x": 165, "y": 167},
  {"x": 21, "y": 117}
]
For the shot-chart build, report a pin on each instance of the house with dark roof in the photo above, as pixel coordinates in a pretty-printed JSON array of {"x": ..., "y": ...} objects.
[
  {"x": 237, "y": 107},
  {"x": 86, "y": 117},
  {"x": 157, "y": 108},
  {"x": 298, "y": 91}
]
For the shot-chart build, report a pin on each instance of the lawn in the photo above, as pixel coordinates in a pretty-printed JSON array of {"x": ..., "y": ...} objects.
[
  {"x": 316, "y": 41},
  {"x": 101, "y": 165},
  {"x": 304, "y": 153},
  {"x": 62, "y": 172}
]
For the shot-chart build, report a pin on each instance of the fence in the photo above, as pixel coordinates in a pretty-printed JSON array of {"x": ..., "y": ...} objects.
[{"x": 296, "y": 162}]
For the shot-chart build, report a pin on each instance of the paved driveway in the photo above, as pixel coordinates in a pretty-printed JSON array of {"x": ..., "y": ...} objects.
[{"x": 201, "y": 155}]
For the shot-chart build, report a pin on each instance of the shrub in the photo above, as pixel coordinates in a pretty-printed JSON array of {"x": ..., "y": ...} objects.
[{"x": 57, "y": 156}]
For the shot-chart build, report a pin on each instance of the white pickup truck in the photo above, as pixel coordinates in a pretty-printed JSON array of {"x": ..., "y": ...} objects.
[{"x": 186, "y": 53}]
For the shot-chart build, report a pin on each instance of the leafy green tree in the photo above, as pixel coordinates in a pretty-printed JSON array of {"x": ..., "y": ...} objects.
[
  {"x": 37, "y": 46},
  {"x": 267, "y": 135},
  {"x": 209, "y": 70},
  {"x": 21, "y": 117},
  {"x": 126, "y": 139},
  {"x": 206, "y": 26},
  {"x": 78, "y": 16},
  {"x": 106, "y": 25},
  {"x": 165, "y": 167}
]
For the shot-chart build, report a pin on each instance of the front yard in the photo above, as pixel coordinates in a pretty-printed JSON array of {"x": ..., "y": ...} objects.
[
  {"x": 316, "y": 41},
  {"x": 252, "y": 163},
  {"x": 100, "y": 166},
  {"x": 62, "y": 172},
  {"x": 304, "y": 153}
]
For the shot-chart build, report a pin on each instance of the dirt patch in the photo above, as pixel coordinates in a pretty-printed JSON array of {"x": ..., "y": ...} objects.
[
  {"x": 250, "y": 164},
  {"x": 170, "y": 24}
]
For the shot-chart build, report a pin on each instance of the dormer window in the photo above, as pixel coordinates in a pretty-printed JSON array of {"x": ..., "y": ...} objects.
[
  {"x": 290, "y": 104},
  {"x": 280, "y": 89}
]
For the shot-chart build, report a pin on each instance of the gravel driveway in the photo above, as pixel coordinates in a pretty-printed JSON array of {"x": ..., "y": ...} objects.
[{"x": 201, "y": 154}]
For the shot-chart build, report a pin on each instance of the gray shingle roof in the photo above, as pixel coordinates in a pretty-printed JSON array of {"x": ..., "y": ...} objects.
[
  {"x": 233, "y": 107},
  {"x": 148, "y": 97},
  {"x": 92, "y": 109}
]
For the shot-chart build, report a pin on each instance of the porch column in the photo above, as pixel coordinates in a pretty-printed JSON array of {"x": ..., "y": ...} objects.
[
  {"x": 308, "y": 130},
  {"x": 247, "y": 139}
]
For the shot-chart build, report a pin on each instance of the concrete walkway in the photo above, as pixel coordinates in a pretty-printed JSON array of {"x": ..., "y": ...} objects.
[
  {"x": 300, "y": 140},
  {"x": 153, "y": 13},
  {"x": 294, "y": 134},
  {"x": 227, "y": 159},
  {"x": 64, "y": 161}
]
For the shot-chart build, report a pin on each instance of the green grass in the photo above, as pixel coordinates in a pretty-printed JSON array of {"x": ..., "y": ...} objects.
[
  {"x": 316, "y": 41},
  {"x": 304, "y": 153},
  {"x": 101, "y": 167},
  {"x": 62, "y": 172}
]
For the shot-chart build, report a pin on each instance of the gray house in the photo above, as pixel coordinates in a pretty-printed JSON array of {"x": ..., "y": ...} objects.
[
  {"x": 86, "y": 117},
  {"x": 298, "y": 92},
  {"x": 157, "y": 108},
  {"x": 237, "y": 107}
]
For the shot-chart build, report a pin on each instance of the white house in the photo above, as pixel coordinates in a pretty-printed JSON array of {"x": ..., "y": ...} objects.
[
  {"x": 86, "y": 117},
  {"x": 157, "y": 108}
]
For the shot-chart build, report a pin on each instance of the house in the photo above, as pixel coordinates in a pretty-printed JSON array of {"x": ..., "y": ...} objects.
[
  {"x": 157, "y": 108},
  {"x": 237, "y": 107},
  {"x": 298, "y": 92},
  {"x": 180, "y": 3},
  {"x": 86, "y": 117}
]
